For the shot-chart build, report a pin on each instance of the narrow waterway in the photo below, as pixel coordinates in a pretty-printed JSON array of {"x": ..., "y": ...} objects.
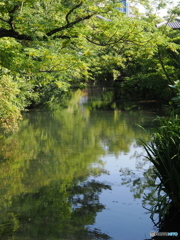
[{"x": 75, "y": 173}]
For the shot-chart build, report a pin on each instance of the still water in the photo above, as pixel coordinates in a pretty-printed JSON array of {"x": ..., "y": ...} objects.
[{"x": 75, "y": 174}]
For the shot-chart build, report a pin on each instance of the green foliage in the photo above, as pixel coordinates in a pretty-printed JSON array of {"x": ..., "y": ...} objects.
[
  {"x": 16, "y": 93},
  {"x": 49, "y": 46},
  {"x": 145, "y": 74},
  {"x": 40, "y": 46},
  {"x": 9, "y": 111}
]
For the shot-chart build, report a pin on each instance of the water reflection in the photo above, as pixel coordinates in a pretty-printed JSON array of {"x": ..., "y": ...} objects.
[
  {"x": 45, "y": 186},
  {"x": 143, "y": 184},
  {"x": 51, "y": 213}
]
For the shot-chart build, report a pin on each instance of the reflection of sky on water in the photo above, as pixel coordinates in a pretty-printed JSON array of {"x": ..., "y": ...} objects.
[
  {"x": 126, "y": 160},
  {"x": 124, "y": 217}
]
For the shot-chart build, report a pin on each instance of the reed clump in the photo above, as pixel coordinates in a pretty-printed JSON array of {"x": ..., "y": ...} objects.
[{"x": 164, "y": 152}]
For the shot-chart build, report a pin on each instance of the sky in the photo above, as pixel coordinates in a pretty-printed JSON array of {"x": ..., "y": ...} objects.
[{"x": 163, "y": 12}]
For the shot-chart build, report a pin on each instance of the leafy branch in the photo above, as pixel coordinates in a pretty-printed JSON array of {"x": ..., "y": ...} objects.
[
  {"x": 69, "y": 13},
  {"x": 69, "y": 25},
  {"x": 13, "y": 33}
]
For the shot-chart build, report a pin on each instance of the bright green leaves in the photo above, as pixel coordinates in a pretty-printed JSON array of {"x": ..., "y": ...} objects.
[
  {"x": 9, "y": 52},
  {"x": 9, "y": 112}
]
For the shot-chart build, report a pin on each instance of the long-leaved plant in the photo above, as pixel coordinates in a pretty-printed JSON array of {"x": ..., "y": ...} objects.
[{"x": 164, "y": 152}]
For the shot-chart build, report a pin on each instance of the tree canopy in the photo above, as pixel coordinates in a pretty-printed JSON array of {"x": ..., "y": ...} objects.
[{"x": 48, "y": 46}]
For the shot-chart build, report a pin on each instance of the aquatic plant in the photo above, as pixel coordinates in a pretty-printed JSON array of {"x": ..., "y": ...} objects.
[{"x": 164, "y": 152}]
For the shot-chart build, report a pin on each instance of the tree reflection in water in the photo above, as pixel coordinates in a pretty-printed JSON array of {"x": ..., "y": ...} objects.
[
  {"x": 44, "y": 167},
  {"x": 53, "y": 214}
]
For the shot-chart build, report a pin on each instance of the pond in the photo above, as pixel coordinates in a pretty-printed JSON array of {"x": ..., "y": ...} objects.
[{"x": 76, "y": 173}]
